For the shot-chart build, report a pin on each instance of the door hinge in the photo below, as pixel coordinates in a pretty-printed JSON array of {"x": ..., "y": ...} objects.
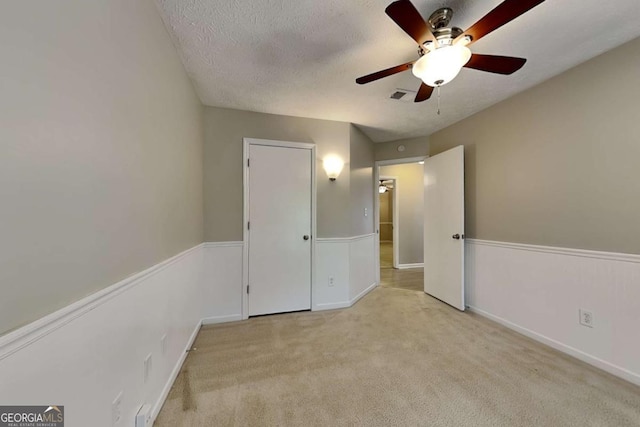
[
  {"x": 248, "y": 225},
  {"x": 247, "y": 289},
  {"x": 247, "y": 162}
]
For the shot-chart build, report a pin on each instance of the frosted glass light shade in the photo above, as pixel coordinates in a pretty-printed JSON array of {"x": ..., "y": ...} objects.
[
  {"x": 332, "y": 166},
  {"x": 442, "y": 65}
]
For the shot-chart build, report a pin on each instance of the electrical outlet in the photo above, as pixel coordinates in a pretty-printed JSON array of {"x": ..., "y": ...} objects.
[
  {"x": 331, "y": 281},
  {"x": 116, "y": 409},
  {"x": 147, "y": 368},
  {"x": 586, "y": 318},
  {"x": 163, "y": 345},
  {"x": 366, "y": 212}
]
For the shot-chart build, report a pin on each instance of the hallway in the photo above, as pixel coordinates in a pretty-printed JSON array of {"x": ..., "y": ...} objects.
[{"x": 410, "y": 279}]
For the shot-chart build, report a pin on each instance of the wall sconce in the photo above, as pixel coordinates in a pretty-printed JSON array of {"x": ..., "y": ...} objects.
[{"x": 332, "y": 166}]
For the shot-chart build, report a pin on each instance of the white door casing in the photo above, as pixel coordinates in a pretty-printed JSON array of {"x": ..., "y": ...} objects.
[
  {"x": 279, "y": 215},
  {"x": 444, "y": 227}
]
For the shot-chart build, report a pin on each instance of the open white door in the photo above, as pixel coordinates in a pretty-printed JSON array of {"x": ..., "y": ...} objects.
[{"x": 444, "y": 227}]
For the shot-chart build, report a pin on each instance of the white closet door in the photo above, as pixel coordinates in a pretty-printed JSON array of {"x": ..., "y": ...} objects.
[{"x": 279, "y": 229}]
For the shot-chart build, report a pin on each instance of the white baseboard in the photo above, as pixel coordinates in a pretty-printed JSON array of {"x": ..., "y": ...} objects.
[
  {"x": 345, "y": 304},
  {"x": 332, "y": 306},
  {"x": 221, "y": 319},
  {"x": 581, "y": 355},
  {"x": 363, "y": 293},
  {"x": 406, "y": 266},
  {"x": 174, "y": 375},
  {"x": 178, "y": 366}
]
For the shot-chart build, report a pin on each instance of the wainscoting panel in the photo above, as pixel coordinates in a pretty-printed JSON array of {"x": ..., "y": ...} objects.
[
  {"x": 84, "y": 355},
  {"x": 538, "y": 291},
  {"x": 362, "y": 266},
  {"x": 222, "y": 299},
  {"x": 332, "y": 261},
  {"x": 351, "y": 263}
]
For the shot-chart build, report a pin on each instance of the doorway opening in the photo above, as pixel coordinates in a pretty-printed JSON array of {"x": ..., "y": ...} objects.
[
  {"x": 400, "y": 223},
  {"x": 387, "y": 214}
]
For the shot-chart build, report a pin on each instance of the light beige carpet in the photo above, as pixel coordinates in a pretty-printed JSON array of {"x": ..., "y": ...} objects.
[{"x": 397, "y": 358}]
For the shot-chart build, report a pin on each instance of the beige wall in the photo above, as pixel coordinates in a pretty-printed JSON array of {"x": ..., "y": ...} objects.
[
  {"x": 362, "y": 188},
  {"x": 101, "y": 151},
  {"x": 410, "y": 222},
  {"x": 223, "y": 169},
  {"x": 413, "y": 147},
  {"x": 558, "y": 165}
]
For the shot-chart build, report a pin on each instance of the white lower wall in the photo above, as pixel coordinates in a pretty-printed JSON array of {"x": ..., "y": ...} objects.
[
  {"x": 539, "y": 290},
  {"x": 84, "y": 355},
  {"x": 222, "y": 297},
  {"x": 332, "y": 261},
  {"x": 350, "y": 261},
  {"x": 362, "y": 266}
]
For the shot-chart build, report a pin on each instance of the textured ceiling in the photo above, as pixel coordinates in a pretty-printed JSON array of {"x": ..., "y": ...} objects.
[{"x": 301, "y": 57}]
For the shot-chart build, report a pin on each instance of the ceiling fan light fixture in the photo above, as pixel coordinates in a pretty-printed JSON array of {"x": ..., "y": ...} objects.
[{"x": 439, "y": 66}]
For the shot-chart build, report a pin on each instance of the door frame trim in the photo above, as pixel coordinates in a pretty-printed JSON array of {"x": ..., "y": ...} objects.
[
  {"x": 376, "y": 201},
  {"x": 245, "y": 213}
]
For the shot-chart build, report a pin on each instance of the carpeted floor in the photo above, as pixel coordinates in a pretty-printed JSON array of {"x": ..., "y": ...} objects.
[{"x": 396, "y": 358}]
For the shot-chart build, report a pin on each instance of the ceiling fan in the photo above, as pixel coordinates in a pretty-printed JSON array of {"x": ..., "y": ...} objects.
[{"x": 444, "y": 50}]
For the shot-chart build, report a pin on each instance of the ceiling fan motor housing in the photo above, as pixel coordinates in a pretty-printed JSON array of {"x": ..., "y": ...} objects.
[
  {"x": 439, "y": 21},
  {"x": 440, "y": 18}
]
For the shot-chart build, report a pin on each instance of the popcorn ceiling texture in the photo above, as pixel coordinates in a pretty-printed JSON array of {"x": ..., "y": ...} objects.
[{"x": 301, "y": 57}]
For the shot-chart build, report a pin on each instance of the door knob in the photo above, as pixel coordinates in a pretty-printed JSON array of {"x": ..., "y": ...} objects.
[
  {"x": 456, "y": 236},
  {"x": 305, "y": 237}
]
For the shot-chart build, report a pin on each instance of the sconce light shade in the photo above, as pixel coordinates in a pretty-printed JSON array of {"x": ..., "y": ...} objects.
[{"x": 332, "y": 166}]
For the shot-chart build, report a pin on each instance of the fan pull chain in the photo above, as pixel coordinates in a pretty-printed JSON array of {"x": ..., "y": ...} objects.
[{"x": 438, "y": 99}]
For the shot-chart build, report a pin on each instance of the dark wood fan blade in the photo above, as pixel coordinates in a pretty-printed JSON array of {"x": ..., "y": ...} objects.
[
  {"x": 424, "y": 93},
  {"x": 404, "y": 13},
  {"x": 495, "y": 64},
  {"x": 505, "y": 12},
  {"x": 384, "y": 73}
]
